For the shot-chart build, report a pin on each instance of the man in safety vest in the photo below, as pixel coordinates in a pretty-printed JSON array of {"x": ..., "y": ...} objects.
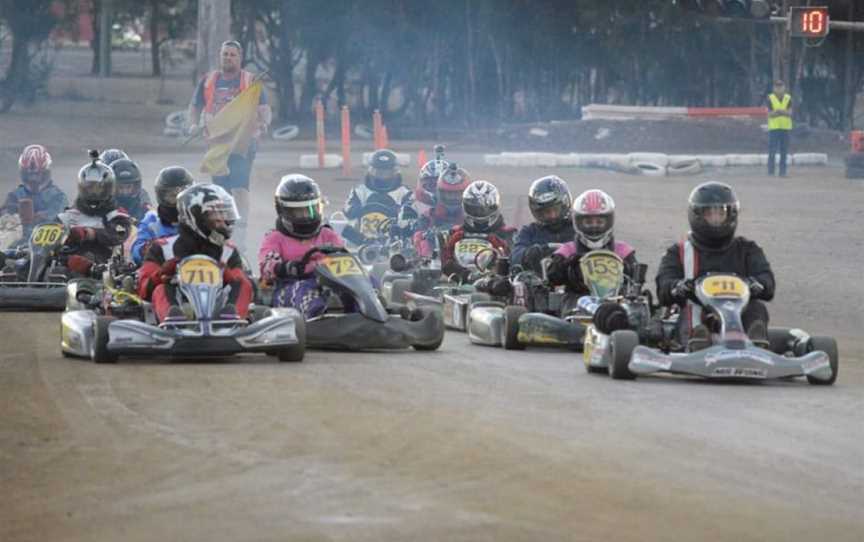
[
  {"x": 214, "y": 91},
  {"x": 779, "y": 126}
]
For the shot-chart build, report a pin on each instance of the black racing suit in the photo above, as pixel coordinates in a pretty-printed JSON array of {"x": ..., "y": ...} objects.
[
  {"x": 541, "y": 236},
  {"x": 740, "y": 256}
]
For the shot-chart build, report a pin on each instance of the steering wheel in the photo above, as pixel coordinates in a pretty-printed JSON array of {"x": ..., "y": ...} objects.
[{"x": 323, "y": 249}]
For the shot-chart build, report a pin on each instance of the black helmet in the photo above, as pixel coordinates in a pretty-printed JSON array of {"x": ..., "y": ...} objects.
[
  {"x": 171, "y": 181},
  {"x": 201, "y": 205},
  {"x": 95, "y": 185},
  {"x": 481, "y": 203},
  {"x": 713, "y": 214},
  {"x": 550, "y": 201},
  {"x": 383, "y": 174},
  {"x": 299, "y": 206},
  {"x": 128, "y": 178},
  {"x": 109, "y": 156}
]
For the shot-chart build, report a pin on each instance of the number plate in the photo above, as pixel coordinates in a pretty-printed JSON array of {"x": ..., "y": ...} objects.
[
  {"x": 370, "y": 224},
  {"x": 47, "y": 235},
  {"x": 200, "y": 272},
  {"x": 467, "y": 249},
  {"x": 342, "y": 266},
  {"x": 602, "y": 271},
  {"x": 724, "y": 286}
]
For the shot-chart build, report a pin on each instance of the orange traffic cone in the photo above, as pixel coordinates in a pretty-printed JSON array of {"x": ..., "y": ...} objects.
[{"x": 421, "y": 159}]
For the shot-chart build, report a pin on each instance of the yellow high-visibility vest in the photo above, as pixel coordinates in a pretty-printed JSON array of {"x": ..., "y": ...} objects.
[{"x": 779, "y": 123}]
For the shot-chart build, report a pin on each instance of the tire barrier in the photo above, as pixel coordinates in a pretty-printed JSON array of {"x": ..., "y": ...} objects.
[
  {"x": 175, "y": 124},
  {"x": 650, "y": 164},
  {"x": 310, "y": 161},
  {"x": 286, "y": 133}
]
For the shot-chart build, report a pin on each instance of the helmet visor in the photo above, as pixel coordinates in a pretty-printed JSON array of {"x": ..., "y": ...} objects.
[
  {"x": 450, "y": 198},
  {"x": 168, "y": 196},
  {"x": 301, "y": 212},
  {"x": 34, "y": 179},
  {"x": 96, "y": 190},
  {"x": 221, "y": 211},
  {"x": 717, "y": 215},
  {"x": 128, "y": 189},
  {"x": 594, "y": 226}
]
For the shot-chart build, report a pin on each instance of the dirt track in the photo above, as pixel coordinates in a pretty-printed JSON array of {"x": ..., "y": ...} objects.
[{"x": 467, "y": 443}]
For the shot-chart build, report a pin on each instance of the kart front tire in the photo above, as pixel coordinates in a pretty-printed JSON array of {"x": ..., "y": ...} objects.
[
  {"x": 100, "y": 353},
  {"x": 621, "y": 344},
  {"x": 829, "y": 346},
  {"x": 296, "y": 352},
  {"x": 511, "y": 327},
  {"x": 433, "y": 313}
]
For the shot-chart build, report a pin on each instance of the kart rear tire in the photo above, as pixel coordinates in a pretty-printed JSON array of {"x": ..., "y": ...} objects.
[
  {"x": 433, "y": 313},
  {"x": 100, "y": 353},
  {"x": 829, "y": 346},
  {"x": 296, "y": 352},
  {"x": 510, "y": 336},
  {"x": 621, "y": 345}
]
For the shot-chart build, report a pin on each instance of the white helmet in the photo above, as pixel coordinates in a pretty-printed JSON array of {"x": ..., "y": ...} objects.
[
  {"x": 594, "y": 218},
  {"x": 481, "y": 203}
]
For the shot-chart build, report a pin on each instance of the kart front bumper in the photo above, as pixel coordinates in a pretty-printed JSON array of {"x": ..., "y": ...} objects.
[
  {"x": 33, "y": 295},
  {"x": 356, "y": 332},
  {"x": 722, "y": 363}
]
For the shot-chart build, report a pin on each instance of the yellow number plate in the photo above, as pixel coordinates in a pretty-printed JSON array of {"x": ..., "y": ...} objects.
[
  {"x": 370, "y": 223},
  {"x": 47, "y": 234},
  {"x": 342, "y": 266},
  {"x": 200, "y": 272},
  {"x": 472, "y": 246},
  {"x": 605, "y": 270},
  {"x": 723, "y": 286}
]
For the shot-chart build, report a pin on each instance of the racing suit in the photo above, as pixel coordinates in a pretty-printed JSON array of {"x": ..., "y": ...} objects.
[
  {"x": 160, "y": 266},
  {"x": 741, "y": 256},
  {"x": 540, "y": 236},
  {"x": 47, "y": 204},
  {"x": 93, "y": 236},
  {"x": 154, "y": 225},
  {"x": 298, "y": 289},
  {"x": 564, "y": 270},
  {"x": 360, "y": 197},
  {"x": 137, "y": 206},
  {"x": 500, "y": 238}
]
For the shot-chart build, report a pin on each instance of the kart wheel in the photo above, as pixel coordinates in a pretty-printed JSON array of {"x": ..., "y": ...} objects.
[
  {"x": 511, "y": 327},
  {"x": 596, "y": 370},
  {"x": 829, "y": 346},
  {"x": 432, "y": 313},
  {"x": 397, "y": 290},
  {"x": 99, "y": 352},
  {"x": 295, "y": 352},
  {"x": 621, "y": 345}
]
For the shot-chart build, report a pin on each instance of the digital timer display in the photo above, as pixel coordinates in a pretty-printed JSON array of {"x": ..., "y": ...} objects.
[{"x": 808, "y": 22}]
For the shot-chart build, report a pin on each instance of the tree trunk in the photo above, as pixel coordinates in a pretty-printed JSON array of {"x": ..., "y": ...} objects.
[
  {"x": 96, "y": 13},
  {"x": 214, "y": 27},
  {"x": 17, "y": 76},
  {"x": 154, "y": 38}
]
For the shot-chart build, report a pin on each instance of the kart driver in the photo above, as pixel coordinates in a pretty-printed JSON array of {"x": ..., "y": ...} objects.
[
  {"x": 712, "y": 247},
  {"x": 163, "y": 221},
  {"x": 382, "y": 185},
  {"x": 481, "y": 204},
  {"x": 207, "y": 214},
  {"x": 447, "y": 211},
  {"x": 550, "y": 201},
  {"x": 299, "y": 228},
  {"x": 34, "y": 173},
  {"x": 130, "y": 195},
  {"x": 96, "y": 225}
]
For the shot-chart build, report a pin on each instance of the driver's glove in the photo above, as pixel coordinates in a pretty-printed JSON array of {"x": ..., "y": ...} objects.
[
  {"x": 79, "y": 264},
  {"x": 289, "y": 270},
  {"x": 533, "y": 255},
  {"x": 756, "y": 287},
  {"x": 682, "y": 290}
]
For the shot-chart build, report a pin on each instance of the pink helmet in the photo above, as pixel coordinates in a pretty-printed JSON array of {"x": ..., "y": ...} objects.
[
  {"x": 35, "y": 166},
  {"x": 594, "y": 218}
]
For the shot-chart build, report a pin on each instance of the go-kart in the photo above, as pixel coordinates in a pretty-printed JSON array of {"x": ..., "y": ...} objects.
[
  {"x": 33, "y": 277},
  {"x": 198, "y": 285},
  {"x": 371, "y": 326},
  {"x": 732, "y": 355},
  {"x": 603, "y": 272}
]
